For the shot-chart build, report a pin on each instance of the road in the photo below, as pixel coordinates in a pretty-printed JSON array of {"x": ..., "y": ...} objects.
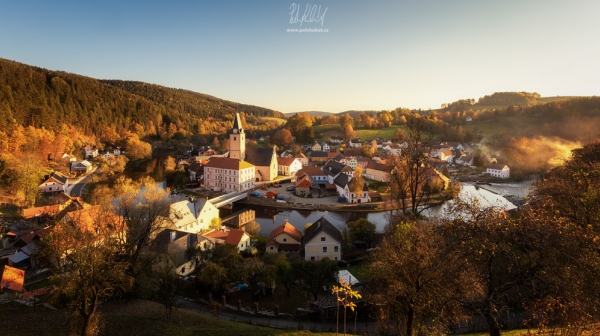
[{"x": 76, "y": 186}]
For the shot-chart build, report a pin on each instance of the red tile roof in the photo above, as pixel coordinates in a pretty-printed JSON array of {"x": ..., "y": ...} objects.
[
  {"x": 39, "y": 211},
  {"x": 285, "y": 161},
  {"x": 286, "y": 228},
  {"x": 234, "y": 237},
  {"x": 311, "y": 171},
  {"x": 303, "y": 182}
]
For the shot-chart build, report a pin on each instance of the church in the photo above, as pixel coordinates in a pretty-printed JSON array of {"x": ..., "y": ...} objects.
[{"x": 263, "y": 159}]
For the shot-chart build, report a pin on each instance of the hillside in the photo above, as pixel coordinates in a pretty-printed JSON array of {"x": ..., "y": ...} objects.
[
  {"x": 311, "y": 113},
  {"x": 38, "y": 97},
  {"x": 130, "y": 318}
]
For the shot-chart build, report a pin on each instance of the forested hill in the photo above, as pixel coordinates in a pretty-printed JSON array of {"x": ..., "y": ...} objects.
[
  {"x": 32, "y": 96},
  {"x": 198, "y": 104}
]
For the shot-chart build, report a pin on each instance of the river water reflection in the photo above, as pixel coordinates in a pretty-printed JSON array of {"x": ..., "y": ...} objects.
[{"x": 270, "y": 218}]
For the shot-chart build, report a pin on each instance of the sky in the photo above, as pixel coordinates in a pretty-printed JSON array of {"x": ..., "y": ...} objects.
[{"x": 374, "y": 55}]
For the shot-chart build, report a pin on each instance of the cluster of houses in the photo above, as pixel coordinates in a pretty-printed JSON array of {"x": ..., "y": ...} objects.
[{"x": 320, "y": 240}]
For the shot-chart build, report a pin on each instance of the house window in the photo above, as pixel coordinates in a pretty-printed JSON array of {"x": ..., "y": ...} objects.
[
  {"x": 271, "y": 247},
  {"x": 284, "y": 239},
  {"x": 324, "y": 249},
  {"x": 312, "y": 258},
  {"x": 335, "y": 258},
  {"x": 336, "y": 249},
  {"x": 322, "y": 238}
]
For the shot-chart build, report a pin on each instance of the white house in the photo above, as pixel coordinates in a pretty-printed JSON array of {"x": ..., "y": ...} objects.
[
  {"x": 56, "y": 182},
  {"x": 69, "y": 157},
  {"x": 90, "y": 151},
  {"x": 228, "y": 175},
  {"x": 321, "y": 240},
  {"x": 498, "y": 170},
  {"x": 446, "y": 155},
  {"x": 284, "y": 238},
  {"x": 288, "y": 166},
  {"x": 194, "y": 215},
  {"x": 354, "y": 143},
  {"x": 325, "y": 147},
  {"x": 469, "y": 119},
  {"x": 336, "y": 139},
  {"x": 302, "y": 158}
]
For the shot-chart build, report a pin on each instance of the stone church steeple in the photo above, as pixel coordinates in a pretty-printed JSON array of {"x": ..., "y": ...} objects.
[{"x": 237, "y": 140}]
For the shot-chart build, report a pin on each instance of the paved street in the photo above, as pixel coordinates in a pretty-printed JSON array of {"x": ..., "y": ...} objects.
[
  {"x": 279, "y": 323},
  {"x": 75, "y": 187}
]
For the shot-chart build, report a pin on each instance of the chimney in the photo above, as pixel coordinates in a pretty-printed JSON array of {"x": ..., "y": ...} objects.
[{"x": 193, "y": 201}]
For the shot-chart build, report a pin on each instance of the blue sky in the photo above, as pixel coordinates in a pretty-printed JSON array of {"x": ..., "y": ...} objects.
[{"x": 376, "y": 54}]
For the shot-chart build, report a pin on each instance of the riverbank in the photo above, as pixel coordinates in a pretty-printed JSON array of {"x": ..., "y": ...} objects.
[{"x": 340, "y": 207}]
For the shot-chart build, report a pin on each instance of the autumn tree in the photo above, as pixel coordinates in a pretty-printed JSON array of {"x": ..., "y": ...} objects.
[
  {"x": 286, "y": 273},
  {"x": 385, "y": 118},
  {"x": 317, "y": 274},
  {"x": 216, "y": 143},
  {"x": 523, "y": 260},
  {"x": 137, "y": 149},
  {"x": 214, "y": 276},
  {"x": 144, "y": 209},
  {"x": 362, "y": 230},
  {"x": 357, "y": 183},
  {"x": 253, "y": 228},
  {"x": 346, "y": 120},
  {"x": 165, "y": 281},
  {"x": 225, "y": 144},
  {"x": 348, "y": 131},
  {"x": 87, "y": 270},
  {"x": 282, "y": 138},
  {"x": 366, "y": 120},
  {"x": 416, "y": 281},
  {"x": 298, "y": 123},
  {"x": 408, "y": 177}
]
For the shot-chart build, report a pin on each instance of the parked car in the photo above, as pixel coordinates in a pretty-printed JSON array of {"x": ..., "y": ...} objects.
[
  {"x": 276, "y": 185},
  {"x": 291, "y": 188}
]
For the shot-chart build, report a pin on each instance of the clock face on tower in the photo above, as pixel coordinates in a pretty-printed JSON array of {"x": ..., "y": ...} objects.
[{"x": 235, "y": 130}]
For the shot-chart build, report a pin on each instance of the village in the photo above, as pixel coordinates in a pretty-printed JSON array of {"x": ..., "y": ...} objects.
[{"x": 318, "y": 176}]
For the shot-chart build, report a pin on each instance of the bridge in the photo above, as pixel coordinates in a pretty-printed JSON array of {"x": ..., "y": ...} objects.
[{"x": 222, "y": 200}]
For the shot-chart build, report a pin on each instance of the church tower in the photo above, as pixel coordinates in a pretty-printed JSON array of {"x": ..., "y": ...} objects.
[{"x": 237, "y": 140}]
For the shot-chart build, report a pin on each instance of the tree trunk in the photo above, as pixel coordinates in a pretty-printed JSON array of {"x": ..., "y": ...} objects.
[
  {"x": 409, "y": 319},
  {"x": 493, "y": 326}
]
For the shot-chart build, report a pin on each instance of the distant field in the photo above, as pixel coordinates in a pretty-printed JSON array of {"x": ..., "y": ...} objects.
[
  {"x": 384, "y": 133},
  {"x": 328, "y": 131},
  {"x": 555, "y": 98},
  {"x": 278, "y": 120}
]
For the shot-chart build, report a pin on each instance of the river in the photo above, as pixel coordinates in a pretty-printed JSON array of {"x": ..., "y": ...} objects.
[{"x": 269, "y": 218}]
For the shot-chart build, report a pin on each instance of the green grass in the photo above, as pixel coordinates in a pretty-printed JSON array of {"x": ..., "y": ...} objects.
[
  {"x": 360, "y": 271},
  {"x": 38, "y": 284},
  {"x": 129, "y": 318},
  {"x": 280, "y": 121},
  {"x": 323, "y": 132}
]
